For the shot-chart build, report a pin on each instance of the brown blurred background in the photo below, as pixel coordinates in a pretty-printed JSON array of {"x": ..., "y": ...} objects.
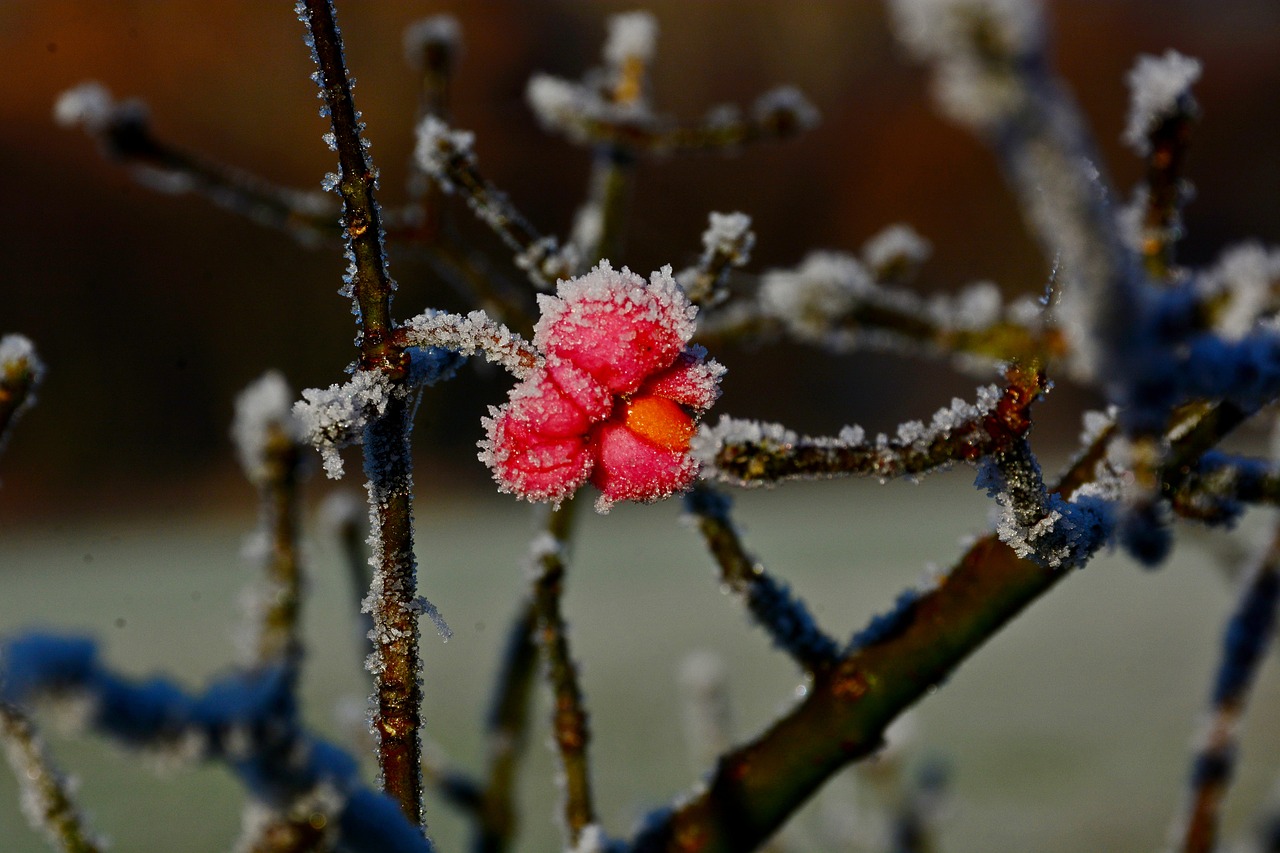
[{"x": 152, "y": 311}]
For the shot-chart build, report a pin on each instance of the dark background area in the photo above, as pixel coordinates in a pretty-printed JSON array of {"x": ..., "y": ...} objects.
[{"x": 152, "y": 311}]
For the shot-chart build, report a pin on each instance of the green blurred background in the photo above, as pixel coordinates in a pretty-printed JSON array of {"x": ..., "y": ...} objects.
[{"x": 121, "y": 510}]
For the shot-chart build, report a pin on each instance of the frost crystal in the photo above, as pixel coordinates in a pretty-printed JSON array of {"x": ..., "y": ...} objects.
[
  {"x": 334, "y": 418},
  {"x": 591, "y": 840},
  {"x": 1157, "y": 86},
  {"x": 1244, "y": 274},
  {"x": 971, "y": 42},
  {"x": 261, "y": 409},
  {"x": 88, "y": 105},
  {"x": 730, "y": 234},
  {"x": 895, "y": 246},
  {"x": 825, "y": 287},
  {"x": 440, "y": 32},
  {"x": 632, "y": 36},
  {"x": 18, "y": 354},
  {"x": 786, "y": 110},
  {"x": 439, "y": 147},
  {"x": 473, "y": 333}
]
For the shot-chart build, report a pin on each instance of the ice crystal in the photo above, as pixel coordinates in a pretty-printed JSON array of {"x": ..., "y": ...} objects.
[
  {"x": 437, "y": 32},
  {"x": 336, "y": 417},
  {"x": 785, "y": 110},
  {"x": 1245, "y": 275},
  {"x": 475, "y": 332},
  {"x": 729, "y": 234},
  {"x": 825, "y": 287},
  {"x": 263, "y": 408},
  {"x": 88, "y": 105},
  {"x": 973, "y": 44},
  {"x": 896, "y": 247},
  {"x": 439, "y": 147},
  {"x": 1159, "y": 86},
  {"x": 632, "y": 36}
]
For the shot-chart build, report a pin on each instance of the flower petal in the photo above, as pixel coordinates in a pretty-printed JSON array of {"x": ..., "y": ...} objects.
[
  {"x": 690, "y": 381},
  {"x": 615, "y": 326},
  {"x": 529, "y": 465},
  {"x": 627, "y": 467}
]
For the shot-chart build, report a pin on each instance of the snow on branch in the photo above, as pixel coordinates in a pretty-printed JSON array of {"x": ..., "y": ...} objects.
[
  {"x": 447, "y": 155},
  {"x": 834, "y": 300},
  {"x": 21, "y": 372},
  {"x": 726, "y": 243},
  {"x": 475, "y": 332},
  {"x": 751, "y": 453},
  {"x": 123, "y": 130},
  {"x": 784, "y": 617},
  {"x": 47, "y": 796},
  {"x": 336, "y": 417},
  {"x": 247, "y": 720},
  {"x": 1160, "y": 89}
]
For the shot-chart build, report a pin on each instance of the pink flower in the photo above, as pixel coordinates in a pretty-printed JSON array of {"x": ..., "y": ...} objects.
[{"x": 616, "y": 400}]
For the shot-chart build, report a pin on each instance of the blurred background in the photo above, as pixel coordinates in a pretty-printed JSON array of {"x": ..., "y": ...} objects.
[{"x": 121, "y": 507}]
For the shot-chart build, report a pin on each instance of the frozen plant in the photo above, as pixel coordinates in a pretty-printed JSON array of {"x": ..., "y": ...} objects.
[{"x": 613, "y": 377}]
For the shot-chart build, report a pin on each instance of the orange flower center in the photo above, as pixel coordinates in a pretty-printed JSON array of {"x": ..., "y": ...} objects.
[{"x": 660, "y": 421}]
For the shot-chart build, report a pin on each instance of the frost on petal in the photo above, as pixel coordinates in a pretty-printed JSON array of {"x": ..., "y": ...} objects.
[
  {"x": 690, "y": 381},
  {"x": 628, "y": 467},
  {"x": 615, "y": 326},
  {"x": 536, "y": 445},
  {"x": 530, "y": 465}
]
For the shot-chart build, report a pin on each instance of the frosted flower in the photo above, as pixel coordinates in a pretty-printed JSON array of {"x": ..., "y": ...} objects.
[{"x": 616, "y": 400}]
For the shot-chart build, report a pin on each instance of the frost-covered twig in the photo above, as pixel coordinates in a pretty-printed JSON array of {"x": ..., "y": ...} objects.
[
  {"x": 47, "y": 796},
  {"x": 1162, "y": 115},
  {"x": 345, "y": 518},
  {"x": 835, "y": 301},
  {"x": 1248, "y": 636},
  {"x": 249, "y": 720},
  {"x": 569, "y": 727},
  {"x": 475, "y": 332},
  {"x": 1219, "y": 485},
  {"x": 750, "y": 453},
  {"x": 269, "y": 440},
  {"x": 584, "y": 116},
  {"x": 770, "y": 603},
  {"x": 20, "y": 373},
  {"x": 991, "y": 74},
  {"x": 393, "y": 598},
  {"x": 123, "y": 128},
  {"x": 726, "y": 243},
  {"x": 505, "y": 726},
  {"x": 368, "y": 280},
  {"x": 447, "y": 156}
]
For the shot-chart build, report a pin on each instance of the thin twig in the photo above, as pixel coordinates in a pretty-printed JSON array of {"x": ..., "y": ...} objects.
[
  {"x": 47, "y": 798},
  {"x": 1248, "y": 636},
  {"x": 371, "y": 284},
  {"x": 569, "y": 717},
  {"x": 784, "y": 617},
  {"x": 505, "y": 728}
]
